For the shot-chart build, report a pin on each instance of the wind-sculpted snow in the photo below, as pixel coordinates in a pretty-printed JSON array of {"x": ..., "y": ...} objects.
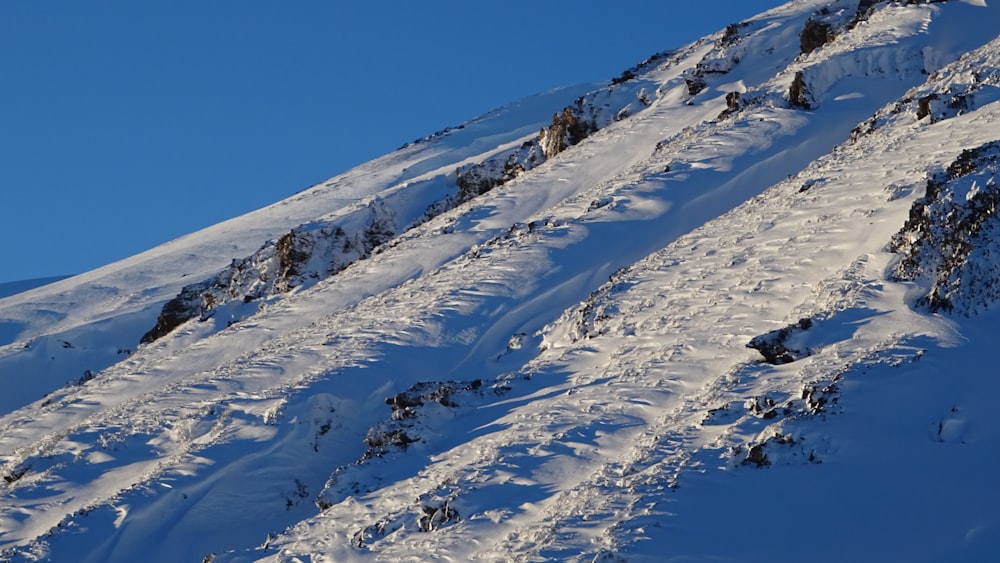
[
  {"x": 628, "y": 421},
  {"x": 323, "y": 248},
  {"x": 684, "y": 326},
  {"x": 971, "y": 82},
  {"x": 104, "y": 313}
]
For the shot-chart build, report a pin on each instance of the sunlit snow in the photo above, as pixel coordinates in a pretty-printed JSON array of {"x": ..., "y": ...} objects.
[{"x": 558, "y": 368}]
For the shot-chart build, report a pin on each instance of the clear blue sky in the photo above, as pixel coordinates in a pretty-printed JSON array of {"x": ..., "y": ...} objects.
[{"x": 125, "y": 124}]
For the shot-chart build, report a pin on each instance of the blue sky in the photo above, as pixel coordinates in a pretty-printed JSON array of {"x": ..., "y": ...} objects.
[{"x": 126, "y": 124}]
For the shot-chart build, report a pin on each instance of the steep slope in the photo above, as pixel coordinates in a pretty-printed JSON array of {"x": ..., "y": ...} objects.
[
  {"x": 530, "y": 416},
  {"x": 53, "y": 335},
  {"x": 645, "y": 425}
]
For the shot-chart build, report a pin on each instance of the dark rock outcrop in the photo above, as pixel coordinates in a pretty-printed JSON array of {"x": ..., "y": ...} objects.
[
  {"x": 814, "y": 35},
  {"x": 400, "y": 431},
  {"x": 951, "y": 239},
  {"x": 774, "y": 345},
  {"x": 568, "y": 128},
  {"x": 733, "y": 105},
  {"x": 189, "y": 304},
  {"x": 304, "y": 255},
  {"x": 798, "y": 92}
]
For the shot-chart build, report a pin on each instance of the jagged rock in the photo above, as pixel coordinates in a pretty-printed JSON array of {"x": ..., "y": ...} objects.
[
  {"x": 814, "y": 35},
  {"x": 187, "y": 305},
  {"x": 306, "y": 254},
  {"x": 772, "y": 345},
  {"x": 816, "y": 400},
  {"x": 292, "y": 251},
  {"x": 374, "y": 532},
  {"x": 634, "y": 72},
  {"x": 624, "y": 77},
  {"x": 733, "y": 105},
  {"x": 442, "y": 393},
  {"x": 950, "y": 237},
  {"x": 477, "y": 179},
  {"x": 864, "y": 11},
  {"x": 798, "y": 93},
  {"x": 924, "y": 105},
  {"x": 378, "y": 440},
  {"x": 940, "y": 106},
  {"x": 399, "y": 431},
  {"x": 731, "y": 35},
  {"x": 568, "y": 128},
  {"x": 756, "y": 456},
  {"x": 695, "y": 85}
]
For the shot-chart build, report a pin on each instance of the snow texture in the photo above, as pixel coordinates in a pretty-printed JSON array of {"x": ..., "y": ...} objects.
[{"x": 735, "y": 304}]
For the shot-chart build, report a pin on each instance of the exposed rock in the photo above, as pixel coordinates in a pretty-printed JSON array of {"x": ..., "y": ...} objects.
[
  {"x": 292, "y": 250},
  {"x": 573, "y": 124},
  {"x": 950, "y": 239},
  {"x": 436, "y": 514},
  {"x": 732, "y": 34},
  {"x": 756, "y": 456},
  {"x": 719, "y": 61},
  {"x": 624, "y": 77},
  {"x": 695, "y": 85},
  {"x": 477, "y": 179},
  {"x": 189, "y": 304},
  {"x": 306, "y": 254},
  {"x": 568, "y": 128},
  {"x": 403, "y": 404},
  {"x": 378, "y": 440},
  {"x": 634, "y": 72},
  {"x": 400, "y": 431},
  {"x": 798, "y": 93},
  {"x": 374, "y": 532},
  {"x": 817, "y": 398},
  {"x": 814, "y": 35},
  {"x": 773, "y": 345},
  {"x": 865, "y": 9},
  {"x": 924, "y": 105},
  {"x": 733, "y": 105},
  {"x": 15, "y": 475}
]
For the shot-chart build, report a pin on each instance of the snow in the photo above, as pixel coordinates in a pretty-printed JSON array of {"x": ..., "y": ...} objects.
[
  {"x": 565, "y": 356},
  {"x": 127, "y": 295}
]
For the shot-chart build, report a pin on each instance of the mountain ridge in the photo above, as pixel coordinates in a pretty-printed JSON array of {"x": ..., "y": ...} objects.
[{"x": 559, "y": 367}]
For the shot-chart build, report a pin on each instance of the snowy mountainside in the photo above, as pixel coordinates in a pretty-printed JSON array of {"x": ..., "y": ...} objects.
[
  {"x": 703, "y": 311},
  {"x": 54, "y": 334}
]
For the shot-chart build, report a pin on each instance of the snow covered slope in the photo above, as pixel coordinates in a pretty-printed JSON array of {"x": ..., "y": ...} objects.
[
  {"x": 695, "y": 315},
  {"x": 54, "y": 334}
]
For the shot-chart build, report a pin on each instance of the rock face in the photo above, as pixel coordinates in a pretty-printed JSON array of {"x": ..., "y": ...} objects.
[
  {"x": 775, "y": 346},
  {"x": 814, "y": 35},
  {"x": 477, "y": 179},
  {"x": 304, "y": 255},
  {"x": 798, "y": 93},
  {"x": 951, "y": 240},
  {"x": 191, "y": 302},
  {"x": 568, "y": 128}
]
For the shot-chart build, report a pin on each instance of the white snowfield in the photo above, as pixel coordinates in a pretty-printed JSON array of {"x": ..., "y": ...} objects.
[{"x": 558, "y": 369}]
